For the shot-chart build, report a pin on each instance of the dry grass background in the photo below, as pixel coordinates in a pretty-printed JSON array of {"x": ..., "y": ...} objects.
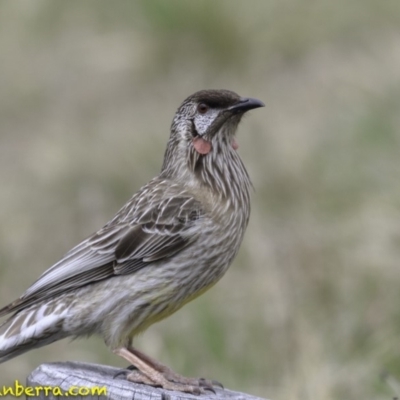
[{"x": 311, "y": 307}]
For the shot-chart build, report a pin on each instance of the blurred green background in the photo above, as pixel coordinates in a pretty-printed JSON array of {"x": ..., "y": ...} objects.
[{"x": 311, "y": 307}]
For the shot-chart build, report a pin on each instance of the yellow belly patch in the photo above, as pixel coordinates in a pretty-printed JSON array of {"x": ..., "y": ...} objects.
[{"x": 170, "y": 309}]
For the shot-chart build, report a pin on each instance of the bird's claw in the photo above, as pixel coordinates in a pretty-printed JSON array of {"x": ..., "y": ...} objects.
[
  {"x": 124, "y": 371},
  {"x": 209, "y": 384},
  {"x": 219, "y": 384}
]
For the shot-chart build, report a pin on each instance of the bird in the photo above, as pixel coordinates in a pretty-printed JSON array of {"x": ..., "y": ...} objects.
[{"x": 172, "y": 241}]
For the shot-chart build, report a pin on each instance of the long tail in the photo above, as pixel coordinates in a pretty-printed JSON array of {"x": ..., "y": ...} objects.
[{"x": 34, "y": 327}]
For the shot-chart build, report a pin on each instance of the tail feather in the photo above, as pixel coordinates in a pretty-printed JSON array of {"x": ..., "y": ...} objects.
[{"x": 35, "y": 327}]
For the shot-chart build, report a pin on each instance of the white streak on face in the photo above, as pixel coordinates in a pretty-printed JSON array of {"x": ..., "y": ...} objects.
[{"x": 203, "y": 121}]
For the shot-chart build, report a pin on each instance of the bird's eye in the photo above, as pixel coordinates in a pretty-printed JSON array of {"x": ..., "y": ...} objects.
[{"x": 202, "y": 108}]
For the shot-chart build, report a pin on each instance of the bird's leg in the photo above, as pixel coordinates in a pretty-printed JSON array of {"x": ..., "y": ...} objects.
[
  {"x": 172, "y": 376},
  {"x": 147, "y": 374}
]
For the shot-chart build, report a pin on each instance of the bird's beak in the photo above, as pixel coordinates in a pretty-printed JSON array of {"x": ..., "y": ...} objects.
[{"x": 245, "y": 104}]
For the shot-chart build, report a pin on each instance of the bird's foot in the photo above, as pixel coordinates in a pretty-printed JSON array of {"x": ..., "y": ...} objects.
[
  {"x": 150, "y": 372},
  {"x": 169, "y": 381},
  {"x": 204, "y": 384},
  {"x": 160, "y": 381}
]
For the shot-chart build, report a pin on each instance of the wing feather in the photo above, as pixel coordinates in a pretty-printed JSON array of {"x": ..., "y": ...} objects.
[{"x": 123, "y": 246}]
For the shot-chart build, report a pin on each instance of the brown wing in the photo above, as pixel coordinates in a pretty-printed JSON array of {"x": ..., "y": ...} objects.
[{"x": 121, "y": 247}]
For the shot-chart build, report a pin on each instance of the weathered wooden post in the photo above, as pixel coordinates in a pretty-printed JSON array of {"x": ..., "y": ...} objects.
[{"x": 92, "y": 381}]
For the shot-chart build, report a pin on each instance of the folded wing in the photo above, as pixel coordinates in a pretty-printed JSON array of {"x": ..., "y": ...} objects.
[{"x": 123, "y": 246}]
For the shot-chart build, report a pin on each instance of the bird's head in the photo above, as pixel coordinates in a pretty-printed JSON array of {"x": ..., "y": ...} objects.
[{"x": 203, "y": 131}]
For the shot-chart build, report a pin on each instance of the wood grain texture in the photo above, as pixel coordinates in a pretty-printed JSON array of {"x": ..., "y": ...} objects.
[{"x": 74, "y": 374}]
